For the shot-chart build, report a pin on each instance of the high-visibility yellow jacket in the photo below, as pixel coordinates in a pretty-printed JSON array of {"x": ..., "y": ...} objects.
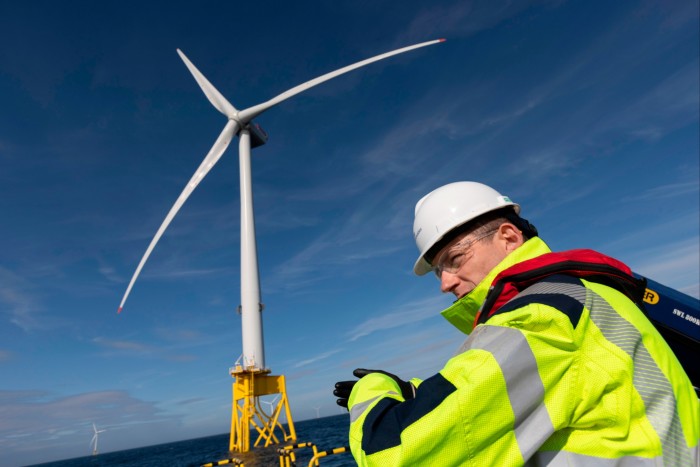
[{"x": 569, "y": 372}]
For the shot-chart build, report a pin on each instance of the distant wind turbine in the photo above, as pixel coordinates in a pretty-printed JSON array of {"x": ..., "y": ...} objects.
[
  {"x": 318, "y": 415},
  {"x": 93, "y": 441},
  {"x": 251, "y": 135},
  {"x": 271, "y": 404}
]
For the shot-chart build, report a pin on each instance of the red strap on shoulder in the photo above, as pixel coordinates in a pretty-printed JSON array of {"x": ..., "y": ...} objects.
[
  {"x": 573, "y": 257},
  {"x": 579, "y": 263}
]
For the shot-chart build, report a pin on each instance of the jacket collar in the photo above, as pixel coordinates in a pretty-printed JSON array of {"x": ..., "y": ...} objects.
[{"x": 463, "y": 312}]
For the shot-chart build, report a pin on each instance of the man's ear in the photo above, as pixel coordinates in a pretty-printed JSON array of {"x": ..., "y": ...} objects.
[{"x": 510, "y": 236}]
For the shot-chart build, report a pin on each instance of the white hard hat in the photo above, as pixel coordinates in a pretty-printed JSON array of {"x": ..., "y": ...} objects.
[{"x": 448, "y": 207}]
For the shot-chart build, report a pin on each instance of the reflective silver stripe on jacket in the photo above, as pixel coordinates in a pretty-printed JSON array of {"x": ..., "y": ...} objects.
[
  {"x": 526, "y": 391},
  {"x": 525, "y": 388},
  {"x": 570, "y": 459},
  {"x": 649, "y": 381},
  {"x": 575, "y": 291},
  {"x": 359, "y": 409}
]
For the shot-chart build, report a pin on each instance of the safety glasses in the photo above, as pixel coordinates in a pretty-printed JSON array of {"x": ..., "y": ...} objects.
[{"x": 454, "y": 258}]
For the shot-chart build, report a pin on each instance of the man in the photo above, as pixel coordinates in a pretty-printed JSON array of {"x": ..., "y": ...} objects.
[{"x": 561, "y": 367}]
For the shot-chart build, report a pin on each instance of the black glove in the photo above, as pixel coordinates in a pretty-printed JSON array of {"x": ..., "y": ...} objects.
[{"x": 344, "y": 388}]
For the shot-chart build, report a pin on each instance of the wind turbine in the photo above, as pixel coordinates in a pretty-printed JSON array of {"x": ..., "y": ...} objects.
[
  {"x": 93, "y": 441},
  {"x": 271, "y": 404},
  {"x": 251, "y": 135},
  {"x": 252, "y": 377}
]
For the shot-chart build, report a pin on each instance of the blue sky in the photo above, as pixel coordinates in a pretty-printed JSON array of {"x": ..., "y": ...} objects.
[{"x": 586, "y": 113}]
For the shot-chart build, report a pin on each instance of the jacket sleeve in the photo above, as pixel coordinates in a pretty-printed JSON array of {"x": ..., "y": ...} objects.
[{"x": 485, "y": 407}]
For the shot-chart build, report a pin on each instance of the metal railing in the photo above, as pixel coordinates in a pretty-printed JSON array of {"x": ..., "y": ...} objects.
[
  {"x": 288, "y": 455},
  {"x": 233, "y": 460}
]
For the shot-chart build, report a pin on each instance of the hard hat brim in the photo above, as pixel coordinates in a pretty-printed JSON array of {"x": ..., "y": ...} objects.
[{"x": 422, "y": 267}]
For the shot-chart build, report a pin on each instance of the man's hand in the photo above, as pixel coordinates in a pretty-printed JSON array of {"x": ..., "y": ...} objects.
[
  {"x": 344, "y": 388},
  {"x": 342, "y": 391}
]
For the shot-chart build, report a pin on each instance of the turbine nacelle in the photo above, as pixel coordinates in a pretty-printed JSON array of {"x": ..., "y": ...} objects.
[{"x": 258, "y": 136}]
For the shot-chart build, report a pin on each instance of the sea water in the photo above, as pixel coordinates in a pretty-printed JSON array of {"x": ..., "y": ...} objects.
[{"x": 326, "y": 433}]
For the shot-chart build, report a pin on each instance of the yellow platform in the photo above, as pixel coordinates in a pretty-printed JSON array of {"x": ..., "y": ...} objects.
[{"x": 247, "y": 414}]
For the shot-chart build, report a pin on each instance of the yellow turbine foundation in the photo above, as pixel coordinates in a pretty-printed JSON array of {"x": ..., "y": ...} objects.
[{"x": 247, "y": 414}]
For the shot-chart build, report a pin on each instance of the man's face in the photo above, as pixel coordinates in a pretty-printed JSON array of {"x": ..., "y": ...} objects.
[{"x": 465, "y": 261}]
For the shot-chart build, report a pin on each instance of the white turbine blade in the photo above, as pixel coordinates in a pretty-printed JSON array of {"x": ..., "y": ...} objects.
[
  {"x": 209, "y": 161},
  {"x": 214, "y": 96},
  {"x": 250, "y": 113}
]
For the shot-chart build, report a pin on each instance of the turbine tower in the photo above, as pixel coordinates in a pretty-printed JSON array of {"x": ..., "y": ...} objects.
[{"x": 251, "y": 135}]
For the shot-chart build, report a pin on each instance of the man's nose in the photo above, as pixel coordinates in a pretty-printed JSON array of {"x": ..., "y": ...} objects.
[{"x": 448, "y": 281}]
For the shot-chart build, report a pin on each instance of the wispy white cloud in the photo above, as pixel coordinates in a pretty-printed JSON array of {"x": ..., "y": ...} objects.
[
  {"x": 316, "y": 358},
  {"x": 18, "y": 301},
  {"x": 141, "y": 350},
  {"x": 674, "y": 14},
  {"x": 672, "y": 103},
  {"x": 193, "y": 400},
  {"x": 38, "y": 411},
  {"x": 667, "y": 252},
  {"x": 665, "y": 192},
  {"x": 674, "y": 264},
  {"x": 129, "y": 346},
  {"x": 405, "y": 314},
  {"x": 679, "y": 259},
  {"x": 6, "y": 355},
  {"x": 54, "y": 422},
  {"x": 670, "y": 231},
  {"x": 558, "y": 146},
  {"x": 544, "y": 163},
  {"x": 340, "y": 248},
  {"x": 180, "y": 335},
  {"x": 464, "y": 18},
  {"x": 419, "y": 349},
  {"x": 110, "y": 274},
  {"x": 171, "y": 272}
]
